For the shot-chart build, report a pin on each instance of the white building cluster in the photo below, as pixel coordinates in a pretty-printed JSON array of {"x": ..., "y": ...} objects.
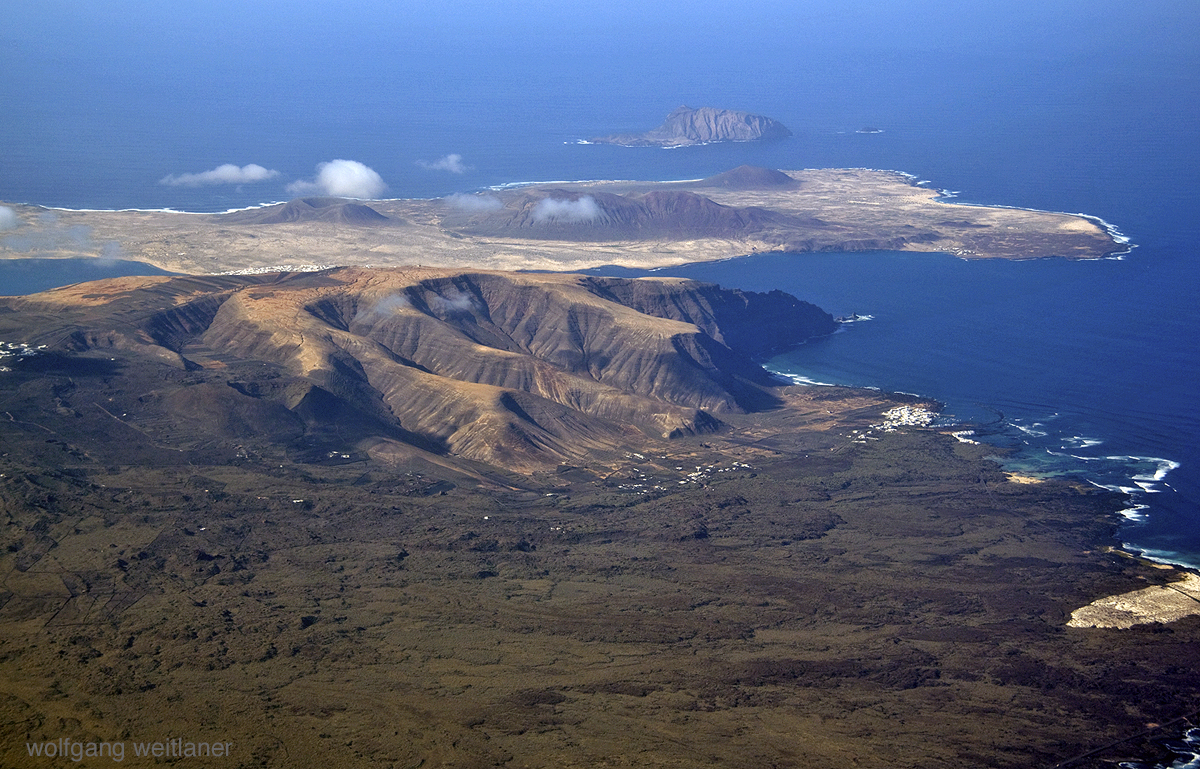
[{"x": 17, "y": 350}]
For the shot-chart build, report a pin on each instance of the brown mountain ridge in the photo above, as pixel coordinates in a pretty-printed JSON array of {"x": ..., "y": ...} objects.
[
  {"x": 264, "y": 510},
  {"x": 520, "y": 371}
]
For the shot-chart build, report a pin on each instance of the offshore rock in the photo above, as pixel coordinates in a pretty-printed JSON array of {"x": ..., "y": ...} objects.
[{"x": 687, "y": 126}]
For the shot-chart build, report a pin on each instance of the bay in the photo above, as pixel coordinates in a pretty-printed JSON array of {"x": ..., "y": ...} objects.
[
  {"x": 1047, "y": 358},
  {"x": 29, "y": 276}
]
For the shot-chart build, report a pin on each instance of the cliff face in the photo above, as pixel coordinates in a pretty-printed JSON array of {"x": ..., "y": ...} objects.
[
  {"x": 747, "y": 321},
  {"x": 518, "y": 371},
  {"x": 687, "y": 126}
]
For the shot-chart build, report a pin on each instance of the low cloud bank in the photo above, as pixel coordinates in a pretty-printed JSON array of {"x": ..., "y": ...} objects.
[
  {"x": 110, "y": 254},
  {"x": 341, "y": 179},
  {"x": 454, "y": 303},
  {"x": 584, "y": 209},
  {"x": 473, "y": 203},
  {"x": 48, "y": 235},
  {"x": 223, "y": 174},
  {"x": 452, "y": 163},
  {"x": 8, "y": 219},
  {"x": 388, "y": 305}
]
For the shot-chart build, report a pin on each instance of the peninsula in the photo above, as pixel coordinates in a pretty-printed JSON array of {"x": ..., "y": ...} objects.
[
  {"x": 573, "y": 226},
  {"x": 686, "y": 126}
]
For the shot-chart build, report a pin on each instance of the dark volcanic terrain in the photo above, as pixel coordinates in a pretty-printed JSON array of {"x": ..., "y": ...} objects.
[{"x": 471, "y": 519}]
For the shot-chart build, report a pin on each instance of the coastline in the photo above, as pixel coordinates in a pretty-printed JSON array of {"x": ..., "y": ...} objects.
[
  {"x": 1015, "y": 462},
  {"x": 538, "y": 255},
  {"x": 229, "y": 525},
  {"x": 1113, "y": 231},
  {"x": 1132, "y": 489},
  {"x": 809, "y": 562},
  {"x": 1018, "y": 472},
  {"x": 1163, "y": 604},
  {"x": 943, "y": 195}
]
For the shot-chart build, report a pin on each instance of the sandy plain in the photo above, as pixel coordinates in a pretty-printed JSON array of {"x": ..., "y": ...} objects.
[{"x": 829, "y": 210}]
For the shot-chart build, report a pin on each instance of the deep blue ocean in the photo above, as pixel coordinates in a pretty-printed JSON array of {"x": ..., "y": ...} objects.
[{"x": 1087, "y": 368}]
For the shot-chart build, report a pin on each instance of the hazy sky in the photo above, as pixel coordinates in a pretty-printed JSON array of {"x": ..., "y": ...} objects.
[
  {"x": 83, "y": 51},
  {"x": 137, "y": 38}
]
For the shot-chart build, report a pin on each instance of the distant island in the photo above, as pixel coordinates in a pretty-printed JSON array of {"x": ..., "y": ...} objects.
[
  {"x": 686, "y": 126},
  {"x": 575, "y": 226}
]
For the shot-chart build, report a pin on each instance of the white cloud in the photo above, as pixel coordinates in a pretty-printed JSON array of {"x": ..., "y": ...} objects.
[
  {"x": 584, "y": 209},
  {"x": 454, "y": 303},
  {"x": 342, "y": 179},
  {"x": 111, "y": 253},
  {"x": 388, "y": 305},
  {"x": 47, "y": 234},
  {"x": 452, "y": 163},
  {"x": 223, "y": 174},
  {"x": 473, "y": 203},
  {"x": 8, "y": 218}
]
